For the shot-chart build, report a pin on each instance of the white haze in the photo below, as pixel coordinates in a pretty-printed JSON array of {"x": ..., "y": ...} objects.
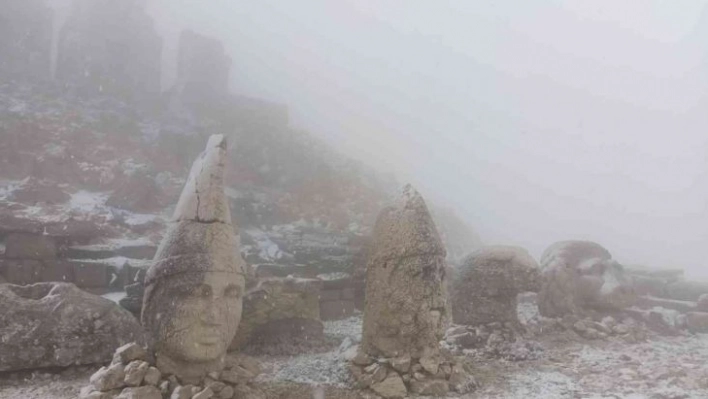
[{"x": 536, "y": 120}]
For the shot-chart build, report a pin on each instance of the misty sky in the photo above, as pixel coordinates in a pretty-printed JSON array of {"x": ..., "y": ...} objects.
[{"x": 536, "y": 120}]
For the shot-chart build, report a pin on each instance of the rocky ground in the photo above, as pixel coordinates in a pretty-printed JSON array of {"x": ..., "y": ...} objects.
[{"x": 566, "y": 367}]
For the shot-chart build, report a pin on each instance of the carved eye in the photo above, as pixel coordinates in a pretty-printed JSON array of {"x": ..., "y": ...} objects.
[
  {"x": 232, "y": 291},
  {"x": 204, "y": 291}
]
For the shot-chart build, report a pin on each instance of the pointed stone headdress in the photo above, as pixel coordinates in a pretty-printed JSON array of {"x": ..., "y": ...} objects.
[{"x": 201, "y": 237}]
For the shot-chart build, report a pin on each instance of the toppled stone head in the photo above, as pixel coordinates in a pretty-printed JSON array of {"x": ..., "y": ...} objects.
[
  {"x": 581, "y": 275},
  {"x": 193, "y": 291},
  {"x": 484, "y": 288}
]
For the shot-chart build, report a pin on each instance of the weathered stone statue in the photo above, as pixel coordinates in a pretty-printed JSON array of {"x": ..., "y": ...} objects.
[
  {"x": 192, "y": 303},
  {"x": 406, "y": 308}
]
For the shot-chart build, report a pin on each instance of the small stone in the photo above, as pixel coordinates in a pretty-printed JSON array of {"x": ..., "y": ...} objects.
[
  {"x": 371, "y": 368},
  {"x": 362, "y": 359},
  {"x": 401, "y": 364},
  {"x": 165, "y": 388},
  {"x": 226, "y": 393},
  {"x": 107, "y": 379},
  {"x": 446, "y": 368},
  {"x": 144, "y": 392},
  {"x": 206, "y": 393},
  {"x": 435, "y": 388},
  {"x": 196, "y": 390},
  {"x": 129, "y": 352},
  {"x": 214, "y": 375},
  {"x": 152, "y": 376},
  {"x": 364, "y": 381},
  {"x": 135, "y": 372},
  {"x": 460, "y": 381},
  {"x": 621, "y": 329},
  {"x": 419, "y": 376},
  {"x": 391, "y": 387},
  {"x": 416, "y": 368},
  {"x": 379, "y": 375},
  {"x": 355, "y": 371},
  {"x": 182, "y": 392},
  {"x": 215, "y": 386},
  {"x": 430, "y": 364},
  {"x": 236, "y": 375}
]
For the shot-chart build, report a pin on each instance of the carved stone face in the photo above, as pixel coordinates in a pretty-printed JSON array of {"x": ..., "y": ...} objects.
[{"x": 198, "y": 317}]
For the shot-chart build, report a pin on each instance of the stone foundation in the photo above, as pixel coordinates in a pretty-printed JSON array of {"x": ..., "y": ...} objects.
[{"x": 132, "y": 374}]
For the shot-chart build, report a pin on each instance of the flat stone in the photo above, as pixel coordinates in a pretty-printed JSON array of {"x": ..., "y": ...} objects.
[
  {"x": 182, "y": 392},
  {"x": 129, "y": 352},
  {"x": 391, "y": 387},
  {"x": 206, "y": 393}
]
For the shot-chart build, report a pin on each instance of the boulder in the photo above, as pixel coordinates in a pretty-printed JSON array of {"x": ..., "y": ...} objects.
[
  {"x": 278, "y": 310},
  {"x": 406, "y": 308},
  {"x": 581, "y": 275},
  {"x": 485, "y": 286},
  {"x": 59, "y": 325}
]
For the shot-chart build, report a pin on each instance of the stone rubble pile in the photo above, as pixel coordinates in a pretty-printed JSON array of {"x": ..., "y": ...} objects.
[
  {"x": 132, "y": 375},
  {"x": 395, "y": 377}
]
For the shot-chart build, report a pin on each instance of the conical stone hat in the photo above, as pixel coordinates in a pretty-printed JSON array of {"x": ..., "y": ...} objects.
[{"x": 200, "y": 237}]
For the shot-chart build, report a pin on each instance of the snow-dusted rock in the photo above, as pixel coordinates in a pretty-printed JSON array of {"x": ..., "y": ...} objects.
[{"x": 58, "y": 325}]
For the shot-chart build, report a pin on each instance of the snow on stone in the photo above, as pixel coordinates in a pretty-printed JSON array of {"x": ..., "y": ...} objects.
[
  {"x": 115, "y": 296},
  {"x": 333, "y": 276}
]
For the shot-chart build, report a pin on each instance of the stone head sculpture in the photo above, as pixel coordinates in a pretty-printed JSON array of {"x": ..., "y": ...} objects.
[{"x": 193, "y": 290}]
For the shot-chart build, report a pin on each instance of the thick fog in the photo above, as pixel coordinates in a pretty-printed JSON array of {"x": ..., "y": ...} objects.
[{"x": 537, "y": 120}]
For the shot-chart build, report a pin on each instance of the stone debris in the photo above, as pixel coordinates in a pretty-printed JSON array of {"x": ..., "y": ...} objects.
[{"x": 138, "y": 379}]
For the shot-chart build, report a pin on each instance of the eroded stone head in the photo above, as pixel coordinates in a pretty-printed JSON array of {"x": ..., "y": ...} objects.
[{"x": 193, "y": 291}]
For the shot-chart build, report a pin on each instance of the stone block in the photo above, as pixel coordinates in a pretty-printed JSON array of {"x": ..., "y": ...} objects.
[{"x": 30, "y": 246}]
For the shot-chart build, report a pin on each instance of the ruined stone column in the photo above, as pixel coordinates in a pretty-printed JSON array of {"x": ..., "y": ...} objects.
[
  {"x": 193, "y": 291},
  {"x": 406, "y": 308}
]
